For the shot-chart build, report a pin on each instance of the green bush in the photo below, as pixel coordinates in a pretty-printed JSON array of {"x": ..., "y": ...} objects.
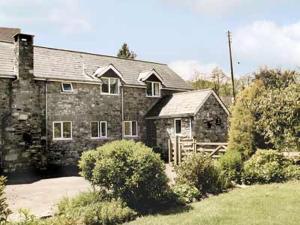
[
  {"x": 265, "y": 166},
  {"x": 231, "y": 165},
  {"x": 4, "y": 211},
  {"x": 95, "y": 208},
  {"x": 186, "y": 193},
  {"x": 199, "y": 170},
  {"x": 128, "y": 170},
  {"x": 292, "y": 172}
]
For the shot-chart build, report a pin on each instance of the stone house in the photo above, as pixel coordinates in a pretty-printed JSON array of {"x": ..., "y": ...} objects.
[{"x": 56, "y": 103}]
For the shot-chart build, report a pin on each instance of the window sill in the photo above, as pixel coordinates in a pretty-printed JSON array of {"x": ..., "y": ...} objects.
[
  {"x": 136, "y": 136},
  {"x": 67, "y": 92},
  {"x": 99, "y": 138},
  {"x": 109, "y": 94},
  {"x": 62, "y": 139},
  {"x": 149, "y": 96}
]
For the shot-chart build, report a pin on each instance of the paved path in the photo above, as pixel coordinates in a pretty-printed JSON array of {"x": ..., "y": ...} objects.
[{"x": 41, "y": 197}]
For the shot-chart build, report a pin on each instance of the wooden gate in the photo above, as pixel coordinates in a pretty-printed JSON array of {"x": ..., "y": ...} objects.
[{"x": 182, "y": 147}]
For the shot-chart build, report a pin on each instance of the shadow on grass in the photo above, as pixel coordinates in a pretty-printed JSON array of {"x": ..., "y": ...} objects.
[
  {"x": 175, "y": 210},
  {"x": 33, "y": 175}
]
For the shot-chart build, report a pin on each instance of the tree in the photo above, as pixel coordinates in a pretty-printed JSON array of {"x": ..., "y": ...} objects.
[
  {"x": 217, "y": 77},
  {"x": 124, "y": 52}
]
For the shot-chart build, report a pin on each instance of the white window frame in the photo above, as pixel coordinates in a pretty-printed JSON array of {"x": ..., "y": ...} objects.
[
  {"x": 66, "y": 91},
  {"x": 152, "y": 89},
  {"x": 109, "y": 91},
  {"x": 130, "y": 135},
  {"x": 61, "y": 138},
  {"x": 100, "y": 136},
  {"x": 178, "y": 119}
]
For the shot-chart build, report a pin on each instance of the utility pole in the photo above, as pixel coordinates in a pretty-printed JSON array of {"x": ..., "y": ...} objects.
[{"x": 231, "y": 65}]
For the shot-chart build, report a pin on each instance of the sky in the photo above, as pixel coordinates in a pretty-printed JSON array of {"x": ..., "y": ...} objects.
[{"x": 189, "y": 35}]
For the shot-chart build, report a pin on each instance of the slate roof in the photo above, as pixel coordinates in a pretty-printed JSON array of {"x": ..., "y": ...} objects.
[
  {"x": 60, "y": 64},
  {"x": 181, "y": 104},
  {"x": 6, "y": 34}
]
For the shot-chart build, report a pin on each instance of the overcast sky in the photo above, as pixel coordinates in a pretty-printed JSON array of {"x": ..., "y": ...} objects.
[{"x": 189, "y": 35}]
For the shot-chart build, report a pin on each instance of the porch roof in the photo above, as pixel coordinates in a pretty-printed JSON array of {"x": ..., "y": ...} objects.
[{"x": 182, "y": 104}]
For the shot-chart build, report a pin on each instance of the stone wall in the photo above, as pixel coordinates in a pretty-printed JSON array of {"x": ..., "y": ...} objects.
[
  {"x": 165, "y": 130},
  {"x": 206, "y": 128},
  {"x": 87, "y": 104},
  {"x": 5, "y": 106}
]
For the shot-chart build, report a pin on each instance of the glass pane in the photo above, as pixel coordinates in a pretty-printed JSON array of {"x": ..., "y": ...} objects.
[
  {"x": 57, "y": 130},
  {"x": 114, "y": 86},
  {"x": 156, "y": 89},
  {"x": 103, "y": 129},
  {"x": 104, "y": 85},
  {"x": 67, "y": 129},
  {"x": 127, "y": 129},
  {"x": 67, "y": 87},
  {"x": 149, "y": 89},
  {"x": 178, "y": 126},
  {"x": 134, "y": 128},
  {"x": 94, "y": 129}
]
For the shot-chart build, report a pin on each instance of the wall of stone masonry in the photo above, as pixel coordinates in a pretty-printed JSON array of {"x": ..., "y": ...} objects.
[
  {"x": 87, "y": 104},
  {"x": 209, "y": 112},
  {"x": 5, "y": 106},
  {"x": 165, "y": 130}
]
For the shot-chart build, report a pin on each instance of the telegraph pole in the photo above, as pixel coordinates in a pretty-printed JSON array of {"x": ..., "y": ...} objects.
[{"x": 231, "y": 65}]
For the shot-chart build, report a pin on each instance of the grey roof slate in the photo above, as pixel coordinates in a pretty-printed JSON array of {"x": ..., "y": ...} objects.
[
  {"x": 180, "y": 104},
  {"x": 7, "y": 59},
  {"x": 50, "y": 63},
  {"x": 6, "y": 34}
]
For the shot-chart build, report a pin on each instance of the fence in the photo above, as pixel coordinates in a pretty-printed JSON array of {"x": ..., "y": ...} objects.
[{"x": 183, "y": 147}]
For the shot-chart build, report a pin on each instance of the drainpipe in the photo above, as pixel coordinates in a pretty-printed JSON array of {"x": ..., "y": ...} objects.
[
  {"x": 46, "y": 115},
  {"x": 122, "y": 109}
]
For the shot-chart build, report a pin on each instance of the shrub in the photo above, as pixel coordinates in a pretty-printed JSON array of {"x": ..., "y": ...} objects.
[
  {"x": 186, "y": 193},
  {"x": 231, "y": 165},
  {"x": 199, "y": 170},
  {"x": 292, "y": 172},
  {"x": 130, "y": 171},
  {"x": 4, "y": 211},
  {"x": 94, "y": 208},
  {"x": 265, "y": 166}
]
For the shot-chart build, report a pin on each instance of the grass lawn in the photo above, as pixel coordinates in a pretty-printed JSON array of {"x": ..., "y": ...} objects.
[{"x": 276, "y": 204}]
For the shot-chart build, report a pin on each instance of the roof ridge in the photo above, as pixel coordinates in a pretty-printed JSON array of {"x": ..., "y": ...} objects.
[
  {"x": 188, "y": 92},
  {"x": 96, "y": 54}
]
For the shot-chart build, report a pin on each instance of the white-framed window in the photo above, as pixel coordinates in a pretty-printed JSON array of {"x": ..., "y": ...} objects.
[
  {"x": 130, "y": 128},
  {"x": 110, "y": 86},
  {"x": 177, "y": 126},
  {"x": 62, "y": 130},
  {"x": 98, "y": 129},
  {"x": 153, "y": 89},
  {"x": 66, "y": 87}
]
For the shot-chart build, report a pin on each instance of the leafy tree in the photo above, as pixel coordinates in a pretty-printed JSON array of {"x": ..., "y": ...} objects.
[
  {"x": 217, "y": 77},
  {"x": 242, "y": 130},
  {"x": 279, "y": 117},
  {"x": 124, "y": 52}
]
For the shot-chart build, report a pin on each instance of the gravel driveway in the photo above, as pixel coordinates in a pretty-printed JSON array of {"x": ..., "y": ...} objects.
[{"x": 40, "y": 197}]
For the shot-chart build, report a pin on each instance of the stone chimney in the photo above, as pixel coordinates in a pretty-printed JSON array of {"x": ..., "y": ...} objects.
[{"x": 24, "y": 143}]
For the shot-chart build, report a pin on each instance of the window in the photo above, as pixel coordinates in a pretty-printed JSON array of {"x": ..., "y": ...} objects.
[
  {"x": 99, "y": 129},
  {"x": 110, "y": 86},
  {"x": 130, "y": 128},
  {"x": 153, "y": 89},
  {"x": 177, "y": 124},
  {"x": 67, "y": 87},
  {"x": 62, "y": 130},
  {"x": 218, "y": 121}
]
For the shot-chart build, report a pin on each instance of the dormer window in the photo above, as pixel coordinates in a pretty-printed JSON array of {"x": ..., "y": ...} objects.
[
  {"x": 153, "y": 89},
  {"x": 110, "y": 86},
  {"x": 67, "y": 87}
]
